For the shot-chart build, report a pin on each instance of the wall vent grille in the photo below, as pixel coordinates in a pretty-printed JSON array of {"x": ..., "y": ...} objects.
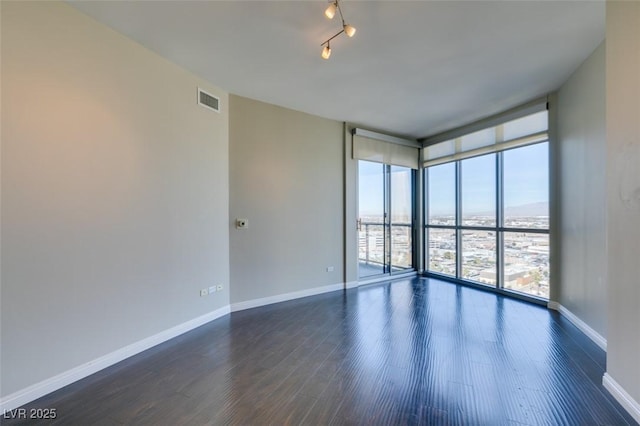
[{"x": 207, "y": 100}]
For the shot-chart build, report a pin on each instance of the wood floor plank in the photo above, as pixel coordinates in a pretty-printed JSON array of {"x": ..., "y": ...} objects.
[{"x": 413, "y": 352}]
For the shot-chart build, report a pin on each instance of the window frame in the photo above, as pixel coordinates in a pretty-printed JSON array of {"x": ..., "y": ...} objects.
[{"x": 500, "y": 229}]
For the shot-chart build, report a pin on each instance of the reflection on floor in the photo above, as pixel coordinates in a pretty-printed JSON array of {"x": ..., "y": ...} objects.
[{"x": 416, "y": 351}]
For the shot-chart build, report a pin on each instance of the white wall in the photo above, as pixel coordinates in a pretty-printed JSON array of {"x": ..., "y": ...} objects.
[
  {"x": 114, "y": 193},
  {"x": 623, "y": 201},
  {"x": 581, "y": 151},
  {"x": 286, "y": 178}
]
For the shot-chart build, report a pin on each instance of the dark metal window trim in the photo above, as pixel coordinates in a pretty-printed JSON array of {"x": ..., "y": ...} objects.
[
  {"x": 458, "y": 228},
  {"x": 387, "y": 224}
]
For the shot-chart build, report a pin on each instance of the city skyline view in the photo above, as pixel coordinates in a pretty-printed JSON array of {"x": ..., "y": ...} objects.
[
  {"x": 524, "y": 184},
  {"x": 463, "y": 234}
]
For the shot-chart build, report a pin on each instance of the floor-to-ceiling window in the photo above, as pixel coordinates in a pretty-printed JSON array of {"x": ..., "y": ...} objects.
[
  {"x": 525, "y": 228},
  {"x": 478, "y": 246},
  {"x": 487, "y": 206},
  {"x": 441, "y": 219}
]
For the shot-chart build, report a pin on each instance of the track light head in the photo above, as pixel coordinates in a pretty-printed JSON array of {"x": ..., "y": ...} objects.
[
  {"x": 349, "y": 30},
  {"x": 330, "y": 12},
  {"x": 326, "y": 52}
]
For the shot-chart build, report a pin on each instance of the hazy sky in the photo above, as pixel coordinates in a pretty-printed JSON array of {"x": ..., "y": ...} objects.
[
  {"x": 526, "y": 175},
  {"x": 371, "y": 190}
]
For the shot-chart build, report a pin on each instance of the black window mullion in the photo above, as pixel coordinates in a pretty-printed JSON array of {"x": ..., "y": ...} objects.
[
  {"x": 458, "y": 219},
  {"x": 499, "y": 220},
  {"x": 387, "y": 218},
  {"x": 425, "y": 213}
]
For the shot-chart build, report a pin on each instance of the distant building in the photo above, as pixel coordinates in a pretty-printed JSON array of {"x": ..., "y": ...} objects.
[{"x": 513, "y": 278}]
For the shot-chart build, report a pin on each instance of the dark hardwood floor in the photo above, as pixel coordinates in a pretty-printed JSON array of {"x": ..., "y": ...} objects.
[{"x": 418, "y": 351}]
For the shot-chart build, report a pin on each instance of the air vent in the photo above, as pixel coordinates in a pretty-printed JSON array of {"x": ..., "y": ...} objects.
[{"x": 208, "y": 101}]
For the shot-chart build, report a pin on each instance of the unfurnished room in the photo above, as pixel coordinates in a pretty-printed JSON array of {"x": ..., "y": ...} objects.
[{"x": 320, "y": 212}]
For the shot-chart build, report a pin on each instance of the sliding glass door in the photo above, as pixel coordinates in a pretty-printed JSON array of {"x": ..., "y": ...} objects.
[
  {"x": 401, "y": 218},
  {"x": 372, "y": 241},
  {"x": 385, "y": 222}
]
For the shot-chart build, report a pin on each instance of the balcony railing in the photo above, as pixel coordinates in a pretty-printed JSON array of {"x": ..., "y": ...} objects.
[{"x": 371, "y": 244}]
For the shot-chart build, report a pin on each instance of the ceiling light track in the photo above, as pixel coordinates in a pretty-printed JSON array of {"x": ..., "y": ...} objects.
[{"x": 349, "y": 30}]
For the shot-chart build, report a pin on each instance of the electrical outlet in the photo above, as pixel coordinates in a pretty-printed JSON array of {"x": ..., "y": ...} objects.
[
  {"x": 212, "y": 289},
  {"x": 329, "y": 268},
  {"x": 219, "y": 287},
  {"x": 203, "y": 292}
]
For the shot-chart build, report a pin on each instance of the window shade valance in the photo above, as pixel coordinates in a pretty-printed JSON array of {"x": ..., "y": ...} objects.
[
  {"x": 396, "y": 152},
  {"x": 522, "y": 131}
]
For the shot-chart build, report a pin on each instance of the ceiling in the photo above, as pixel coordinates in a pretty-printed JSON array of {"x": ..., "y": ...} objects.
[{"x": 413, "y": 69}]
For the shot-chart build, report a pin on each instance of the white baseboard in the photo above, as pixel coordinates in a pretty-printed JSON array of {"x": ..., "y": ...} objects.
[
  {"x": 582, "y": 326},
  {"x": 254, "y": 303},
  {"x": 61, "y": 380},
  {"x": 351, "y": 284},
  {"x": 553, "y": 305},
  {"x": 37, "y": 390},
  {"x": 631, "y": 405}
]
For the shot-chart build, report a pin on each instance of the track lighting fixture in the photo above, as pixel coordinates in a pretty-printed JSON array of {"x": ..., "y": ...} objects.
[{"x": 349, "y": 30}]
